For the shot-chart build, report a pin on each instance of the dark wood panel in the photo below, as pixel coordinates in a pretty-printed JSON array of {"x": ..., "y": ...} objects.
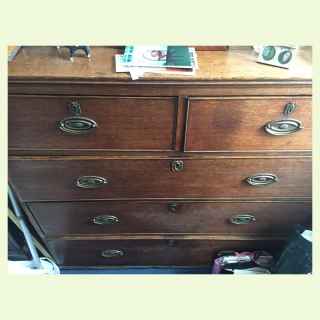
[
  {"x": 80, "y": 153},
  {"x": 158, "y": 88},
  {"x": 125, "y": 123},
  {"x": 170, "y": 236},
  {"x": 154, "y": 178},
  {"x": 152, "y": 252},
  {"x": 70, "y": 218},
  {"x": 237, "y": 124}
]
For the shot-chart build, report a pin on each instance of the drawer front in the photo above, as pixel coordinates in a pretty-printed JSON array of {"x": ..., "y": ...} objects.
[
  {"x": 248, "y": 124},
  {"x": 111, "y": 123},
  {"x": 160, "y": 178},
  {"x": 114, "y": 217},
  {"x": 148, "y": 252}
]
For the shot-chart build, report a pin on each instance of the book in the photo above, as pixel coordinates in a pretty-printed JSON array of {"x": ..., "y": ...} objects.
[
  {"x": 138, "y": 60},
  {"x": 158, "y": 57},
  {"x": 122, "y": 67},
  {"x": 178, "y": 57},
  {"x": 138, "y": 72},
  {"x": 145, "y": 56}
]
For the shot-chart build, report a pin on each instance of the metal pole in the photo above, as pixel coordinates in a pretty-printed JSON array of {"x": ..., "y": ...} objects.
[{"x": 36, "y": 264}]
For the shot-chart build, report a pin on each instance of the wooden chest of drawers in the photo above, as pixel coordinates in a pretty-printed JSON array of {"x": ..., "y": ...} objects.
[{"x": 164, "y": 171}]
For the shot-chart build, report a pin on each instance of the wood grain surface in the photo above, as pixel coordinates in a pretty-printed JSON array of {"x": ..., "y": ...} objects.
[
  {"x": 150, "y": 252},
  {"x": 237, "y": 124},
  {"x": 200, "y": 178},
  {"x": 154, "y": 217},
  {"x": 235, "y": 64},
  {"x": 123, "y": 123}
]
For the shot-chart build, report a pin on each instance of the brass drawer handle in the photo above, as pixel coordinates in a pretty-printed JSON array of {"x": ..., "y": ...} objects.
[
  {"x": 91, "y": 182},
  {"x": 105, "y": 220},
  {"x": 242, "y": 219},
  {"x": 177, "y": 165},
  {"x": 262, "y": 179},
  {"x": 173, "y": 207},
  {"x": 283, "y": 127},
  {"x": 112, "y": 253},
  {"x": 77, "y": 125}
]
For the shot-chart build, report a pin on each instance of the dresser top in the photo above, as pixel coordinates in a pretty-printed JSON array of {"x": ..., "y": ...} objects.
[{"x": 236, "y": 64}]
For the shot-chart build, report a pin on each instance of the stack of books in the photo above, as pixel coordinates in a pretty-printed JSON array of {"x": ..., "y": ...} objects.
[{"x": 137, "y": 60}]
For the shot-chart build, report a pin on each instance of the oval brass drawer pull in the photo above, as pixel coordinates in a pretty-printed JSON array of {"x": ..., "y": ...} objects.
[
  {"x": 91, "y": 182},
  {"x": 112, "y": 253},
  {"x": 283, "y": 127},
  {"x": 177, "y": 165},
  {"x": 242, "y": 219},
  {"x": 262, "y": 179},
  {"x": 105, "y": 220},
  {"x": 77, "y": 125}
]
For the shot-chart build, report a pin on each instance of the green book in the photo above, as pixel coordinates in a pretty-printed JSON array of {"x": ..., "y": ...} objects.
[{"x": 178, "y": 57}]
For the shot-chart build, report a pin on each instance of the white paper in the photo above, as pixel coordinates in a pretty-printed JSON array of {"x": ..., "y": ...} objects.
[
  {"x": 255, "y": 270},
  {"x": 138, "y": 72}
]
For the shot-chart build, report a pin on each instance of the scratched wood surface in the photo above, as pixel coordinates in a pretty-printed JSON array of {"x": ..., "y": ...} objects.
[{"x": 234, "y": 64}]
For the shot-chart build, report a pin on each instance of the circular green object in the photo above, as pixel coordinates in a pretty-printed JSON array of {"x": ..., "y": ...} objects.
[
  {"x": 285, "y": 57},
  {"x": 268, "y": 53}
]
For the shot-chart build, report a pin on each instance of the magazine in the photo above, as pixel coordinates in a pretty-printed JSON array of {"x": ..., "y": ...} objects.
[
  {"x": 137, "y": 72},
  {"x": 145, "y": 56},
  {"x": 158, "y": 57}
]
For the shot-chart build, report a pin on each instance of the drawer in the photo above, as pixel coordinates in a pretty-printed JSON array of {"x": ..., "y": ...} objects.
[
  {"x": 115, "y": 217},
  {"x": 111, "y": 123},
  {"x": 90, "y": 179},
  {"x": 248, "y": 124},
  {"x": 149, "y": 252}
]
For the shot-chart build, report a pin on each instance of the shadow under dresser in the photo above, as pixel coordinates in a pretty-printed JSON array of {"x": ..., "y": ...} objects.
[{"x": 163, "y": 171}]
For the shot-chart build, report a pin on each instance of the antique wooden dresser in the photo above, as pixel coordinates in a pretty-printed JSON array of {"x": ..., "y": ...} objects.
[{"x": 162, "y": 171}]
